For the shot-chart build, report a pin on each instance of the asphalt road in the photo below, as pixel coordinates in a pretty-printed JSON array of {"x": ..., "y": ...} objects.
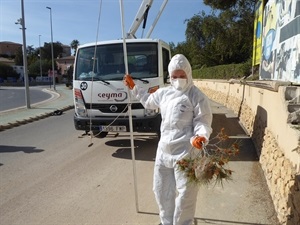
[
  {"x": 13, "y": 97},
  {"x": 52, "y": 174}
]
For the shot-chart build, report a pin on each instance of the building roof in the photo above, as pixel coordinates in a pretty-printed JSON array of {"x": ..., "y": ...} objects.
[
  {"x": 9, "y": 42},
  {"x": 71, "y": 57},
  {"x": 66, "y": 58}
]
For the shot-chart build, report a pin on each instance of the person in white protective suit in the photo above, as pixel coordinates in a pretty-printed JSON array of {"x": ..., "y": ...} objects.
[{"x": 186, "y": 122}]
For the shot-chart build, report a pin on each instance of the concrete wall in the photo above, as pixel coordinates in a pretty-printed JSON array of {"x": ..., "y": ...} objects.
[{"x": 265, "y": 109}]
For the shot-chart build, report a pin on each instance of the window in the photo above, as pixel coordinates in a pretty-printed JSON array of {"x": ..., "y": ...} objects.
[
  {"x": 108, "y": 62},
  {"x": 166, "y": 60}
]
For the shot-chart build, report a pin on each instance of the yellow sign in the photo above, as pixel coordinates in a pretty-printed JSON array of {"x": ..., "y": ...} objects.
[{"x": 257, "y": 39}]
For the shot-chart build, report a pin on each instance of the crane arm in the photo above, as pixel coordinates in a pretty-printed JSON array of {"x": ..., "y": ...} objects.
[
  {"x": 140, "y": 16},
  {"x": 163, "y": 5}
]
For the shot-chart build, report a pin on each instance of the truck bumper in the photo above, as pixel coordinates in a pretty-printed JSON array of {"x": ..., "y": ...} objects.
[{"x": 146, "y": 124}]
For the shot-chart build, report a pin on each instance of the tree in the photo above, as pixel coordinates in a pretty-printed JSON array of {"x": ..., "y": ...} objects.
[
  {"x": 46, "y": 50},
  {"x": 224, "y": 36},
  {"x": 220, "y": 4},
  {"x": 74, "y": 45},
  {"x": 223, "y": 5},
  {"x": 239, "y": 15},
  {"x": 203, "y": 34},
  {"x": 30, "y": 50},
  {"x": 19, "y": 57},
  {"x": 7, "y": 71},
  {"x": 34, "y": 67}
]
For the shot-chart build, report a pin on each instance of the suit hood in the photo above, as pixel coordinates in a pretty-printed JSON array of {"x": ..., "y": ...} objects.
[{"x": 180, "y": 62}]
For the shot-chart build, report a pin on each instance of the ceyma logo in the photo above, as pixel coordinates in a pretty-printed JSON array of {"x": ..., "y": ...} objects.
[{"x": 113, "y": 96}]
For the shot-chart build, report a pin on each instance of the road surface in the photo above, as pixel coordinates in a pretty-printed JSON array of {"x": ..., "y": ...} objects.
[
  {"x": 14, "y": 97},
  {"x": 49, "y": 175}
]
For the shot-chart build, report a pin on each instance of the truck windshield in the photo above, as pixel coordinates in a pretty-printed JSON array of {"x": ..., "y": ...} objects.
[{"x": 108, "y": 62}]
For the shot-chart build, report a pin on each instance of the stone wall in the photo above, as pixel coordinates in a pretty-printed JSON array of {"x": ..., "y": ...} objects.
[{"x": 263, "y": 111}]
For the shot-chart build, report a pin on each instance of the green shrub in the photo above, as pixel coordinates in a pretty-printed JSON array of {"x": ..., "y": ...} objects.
[
  {"x": 231, "y": 71},
  {"x": 7, "y": 71}
]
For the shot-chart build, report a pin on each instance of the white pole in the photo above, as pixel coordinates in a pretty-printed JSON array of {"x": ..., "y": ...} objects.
[
  {"x": 41, "y": 73},
  {"x": 52, "y": 53},
  {"x": 27, "y": 97},
  {"x": 130, "y": 113},
  {"x": 162, "y": 7}
]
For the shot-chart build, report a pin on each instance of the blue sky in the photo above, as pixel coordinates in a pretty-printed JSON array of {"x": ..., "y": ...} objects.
[{"x": 78, "y": 19}]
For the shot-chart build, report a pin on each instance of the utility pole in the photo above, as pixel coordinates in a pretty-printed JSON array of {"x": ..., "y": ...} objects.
[
  {"x": 53, "y": 75},
  {"x": 21, "y": 21},
  {"x": 41, "y": 73}
]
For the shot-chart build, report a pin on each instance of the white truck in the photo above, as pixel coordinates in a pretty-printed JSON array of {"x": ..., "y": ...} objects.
[{"x": 100, "y": 97}]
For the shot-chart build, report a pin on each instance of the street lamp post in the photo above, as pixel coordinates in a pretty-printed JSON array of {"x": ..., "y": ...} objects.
[
  {"x": 21, "y": 21},
  {"x": 53, "y": 76},
  {"x": 41, "y": 73}
]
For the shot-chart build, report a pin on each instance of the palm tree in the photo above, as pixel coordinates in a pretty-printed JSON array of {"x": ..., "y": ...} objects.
[{"x": 74, "y": 45}]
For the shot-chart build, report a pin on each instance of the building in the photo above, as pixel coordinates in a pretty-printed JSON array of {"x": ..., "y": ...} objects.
[
  {"x": 7, "y": 61},
  {"x": 64, "y": 63},
  {"x": 8, "y": 48}
]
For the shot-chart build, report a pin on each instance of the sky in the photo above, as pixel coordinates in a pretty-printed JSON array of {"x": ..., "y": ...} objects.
[{"x": 78, "y": 19}]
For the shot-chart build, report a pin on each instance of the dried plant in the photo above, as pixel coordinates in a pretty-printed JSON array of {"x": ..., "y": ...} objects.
[{"x": 209, "y": 164}]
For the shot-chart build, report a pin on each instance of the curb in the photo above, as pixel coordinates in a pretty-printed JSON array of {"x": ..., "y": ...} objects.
[{"x": 32, "y": 119}]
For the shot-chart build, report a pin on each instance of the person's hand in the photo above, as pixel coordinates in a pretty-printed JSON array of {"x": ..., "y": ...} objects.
[
  {"x": 128, "y": 81},
  {"x": 198, "y": 142}
]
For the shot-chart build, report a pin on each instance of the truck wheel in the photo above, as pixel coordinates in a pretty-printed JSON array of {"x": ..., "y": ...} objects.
[{"x": 100, "y": 135}]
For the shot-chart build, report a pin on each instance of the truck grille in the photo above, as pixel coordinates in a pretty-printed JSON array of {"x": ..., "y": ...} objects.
[{"x": 113, "y": 108}]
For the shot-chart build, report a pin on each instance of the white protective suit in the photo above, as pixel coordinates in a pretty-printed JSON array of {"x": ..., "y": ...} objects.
[{"x": 185, "y": 113}]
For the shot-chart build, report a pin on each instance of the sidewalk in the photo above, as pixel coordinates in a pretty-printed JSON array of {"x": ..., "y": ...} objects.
[
  {"x": 246, "y": 199},
  {"x": 243, "y": 201},
  {"x": 61, "y": 100}
]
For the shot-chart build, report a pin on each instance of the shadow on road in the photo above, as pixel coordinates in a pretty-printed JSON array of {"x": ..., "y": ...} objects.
[
  {"x": 25, "y": 149},
  {"x": 145, "y": 148},
  {"x": 224, "y": 222},
  {"x": 231, "y": 125},
  {"x": 236, "y": 133}
]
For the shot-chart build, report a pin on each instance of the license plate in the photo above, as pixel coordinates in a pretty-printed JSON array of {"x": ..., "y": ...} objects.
[{"x": 113, "y": 128}]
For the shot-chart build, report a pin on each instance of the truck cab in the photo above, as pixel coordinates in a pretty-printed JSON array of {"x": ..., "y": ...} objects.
[
  {"x": 100, "y": 96},
  {"x": 102, "y": 102}
]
